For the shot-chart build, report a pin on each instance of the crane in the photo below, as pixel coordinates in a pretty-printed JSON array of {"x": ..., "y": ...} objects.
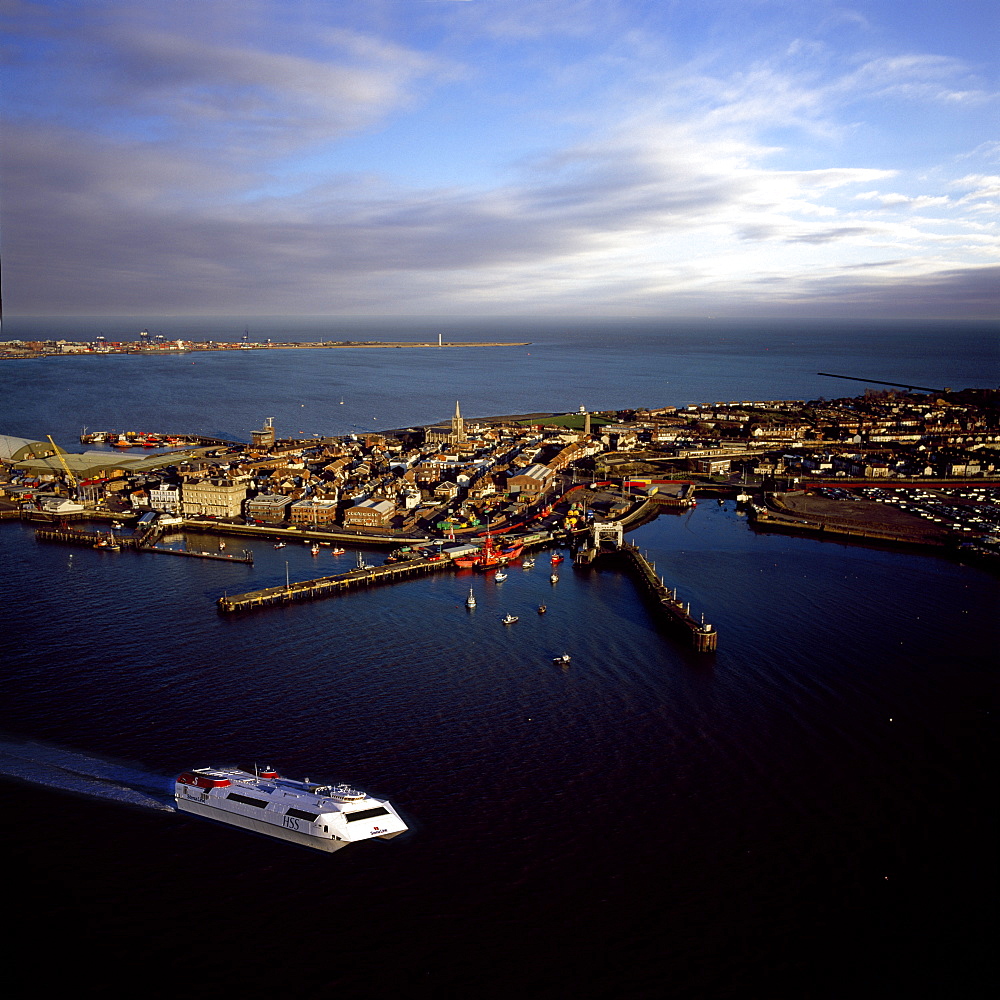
[{"x": 64, "y": 464}]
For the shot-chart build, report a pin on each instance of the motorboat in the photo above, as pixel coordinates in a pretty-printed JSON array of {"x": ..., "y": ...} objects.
[
  {"x": 509, "y": 619},
  {"x": 563, "y": 660},
  {"x": 470, "y": 601},
  {"x": 500, "y": 577},
  {"x": 542, "y": 609}
]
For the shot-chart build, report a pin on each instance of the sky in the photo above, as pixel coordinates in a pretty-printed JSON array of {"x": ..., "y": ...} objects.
[{"x": 486, "y": 158}]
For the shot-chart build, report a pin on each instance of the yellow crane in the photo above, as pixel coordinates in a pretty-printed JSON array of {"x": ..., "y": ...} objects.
[{"x": 64, "y": 464}]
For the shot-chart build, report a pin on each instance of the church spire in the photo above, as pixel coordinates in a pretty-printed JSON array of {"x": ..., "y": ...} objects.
[{"x": 457, "y": 425}]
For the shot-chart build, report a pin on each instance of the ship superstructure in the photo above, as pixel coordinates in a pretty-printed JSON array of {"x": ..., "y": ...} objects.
[{"x": 321, "y": 816}]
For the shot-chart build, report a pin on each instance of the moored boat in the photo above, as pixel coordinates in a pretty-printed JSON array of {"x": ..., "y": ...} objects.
[
  {"x": 324, "y": 817},
  {"x": 470, "y": 601}
]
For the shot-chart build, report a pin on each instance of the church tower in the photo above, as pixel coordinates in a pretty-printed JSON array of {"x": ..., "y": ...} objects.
[{"x": 457, "y": 426}]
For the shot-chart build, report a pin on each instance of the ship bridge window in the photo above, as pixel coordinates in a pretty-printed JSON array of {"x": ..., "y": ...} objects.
[
  {"x": 247, "y": 801},
  {"x": 302, "y": 814},
  {"x": 366, "y": 814}
]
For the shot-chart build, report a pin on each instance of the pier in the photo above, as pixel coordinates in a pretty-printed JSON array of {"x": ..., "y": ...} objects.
[
  {"x": 329, "y": 586},
  {"x": 145, "y": 542},
  {"x": 246, "y": 556},
  {"x": 87, "y": 539},
  {"x": 703, "y": 637}
]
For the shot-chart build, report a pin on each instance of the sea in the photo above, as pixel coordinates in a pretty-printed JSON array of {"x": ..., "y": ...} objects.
[{"x": 808, "y": 812}]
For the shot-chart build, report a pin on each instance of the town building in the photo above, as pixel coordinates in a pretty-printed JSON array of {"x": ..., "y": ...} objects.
[{"x": 213, "y": 498}]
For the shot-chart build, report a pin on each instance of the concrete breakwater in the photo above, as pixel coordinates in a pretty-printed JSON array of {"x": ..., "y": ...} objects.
[{"x": 703, "y": 637}]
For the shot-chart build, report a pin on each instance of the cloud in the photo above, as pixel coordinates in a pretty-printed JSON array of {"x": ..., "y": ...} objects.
[{"x": 167, "y": 175}]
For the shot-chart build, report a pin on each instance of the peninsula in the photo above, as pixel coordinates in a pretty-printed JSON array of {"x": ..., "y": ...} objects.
[{"x": 158, "y": 345}]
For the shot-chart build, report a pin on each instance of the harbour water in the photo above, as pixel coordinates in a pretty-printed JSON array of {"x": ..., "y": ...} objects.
[{"x": 807, "y": 813}]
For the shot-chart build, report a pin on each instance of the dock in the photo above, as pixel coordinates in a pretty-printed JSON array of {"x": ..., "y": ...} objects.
[
  {"x": 329, "y": 586},
  {"x": 246, "y": 556},
  {"x": 145, "y": 542},
  {"x": 703, "y": 637}
]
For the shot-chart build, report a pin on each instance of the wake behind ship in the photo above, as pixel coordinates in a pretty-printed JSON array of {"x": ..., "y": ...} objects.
[{"x": 324, "y": 817}]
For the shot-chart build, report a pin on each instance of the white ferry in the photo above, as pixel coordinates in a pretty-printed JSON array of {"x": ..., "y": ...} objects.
[{"x": 325, "y": 817}]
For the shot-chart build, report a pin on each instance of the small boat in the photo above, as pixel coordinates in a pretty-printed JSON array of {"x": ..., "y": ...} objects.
[
  {"x": 362, "y": 564},
  {"x": 315, "y": 550},
  {"x": 563, "y": 660},
  {"x": 470, "y": 601},
  {"x": 528, "y": 563},
  {"x": 279, "y": 545},
  {"x": 509, "y": 619},
  {"x": 556, "y": 558},
  {"x": 554, "y": 578},
  {"x": 337, "y": 552},
  {"x": 222, "y": 544},
  {"x": 117, "y": 525},
  {"x": 542, "y": 609},
  {"x": 500, "y": 577}
]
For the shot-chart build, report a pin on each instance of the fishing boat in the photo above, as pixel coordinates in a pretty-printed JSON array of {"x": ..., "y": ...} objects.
[
  {"x": 324, "y": 817},
  {"x": 509, "y": 619},
  {"x": 556, "y": 558},
  {"x": 337, "y": 552},
  {"x": 315, "y": 550},
  {"x": 500, "y": 577},
  {"x": 362, "y": 564},
  {"x": 528, "y": 563},
  {"x": 562, "y": 660},
  {"x": 542, "y": 609},
  {"x": 470, "y": 601}
]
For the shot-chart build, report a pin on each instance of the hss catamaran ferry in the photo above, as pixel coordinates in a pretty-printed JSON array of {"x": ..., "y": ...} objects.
[{"x": 325, "y": 817}]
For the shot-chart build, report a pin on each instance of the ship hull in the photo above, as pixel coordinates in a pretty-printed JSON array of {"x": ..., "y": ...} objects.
[
  {"x": 328, "y": 845},
  {"x": 319, "y": 816}
]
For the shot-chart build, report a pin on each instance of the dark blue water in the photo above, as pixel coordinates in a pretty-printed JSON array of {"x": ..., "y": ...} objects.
[
  {"x": 600, "y": 365},
  {"x": 808, "y": 813}
]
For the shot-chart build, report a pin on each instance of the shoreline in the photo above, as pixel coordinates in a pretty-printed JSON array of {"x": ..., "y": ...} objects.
[{"x": 194, "y": 346}]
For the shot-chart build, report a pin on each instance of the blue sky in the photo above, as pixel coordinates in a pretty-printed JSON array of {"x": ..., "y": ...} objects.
[{"x": 499, "y": 157}]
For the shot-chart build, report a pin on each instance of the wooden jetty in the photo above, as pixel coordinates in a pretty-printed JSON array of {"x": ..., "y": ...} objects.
[
  {"x": 703, "y": 637},
  {"x": 137, "y": 543},
  {"x": 87, "y": 539},
  {"x": 329, "y": 586}
]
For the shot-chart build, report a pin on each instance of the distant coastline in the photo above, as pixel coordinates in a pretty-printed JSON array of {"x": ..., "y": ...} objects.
[{"x": 60, "y": 349}]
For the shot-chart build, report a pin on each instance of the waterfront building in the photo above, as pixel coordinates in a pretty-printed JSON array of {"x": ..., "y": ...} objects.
[
  {"x": 271, "y": 508},
  {"x": 370, "y": 514},
  {"x": 213, "y": 497},
  {"x": 310, "y": 511},
  {"x": 165, "y": 497},
  {"x": 263, "y": 439}
]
